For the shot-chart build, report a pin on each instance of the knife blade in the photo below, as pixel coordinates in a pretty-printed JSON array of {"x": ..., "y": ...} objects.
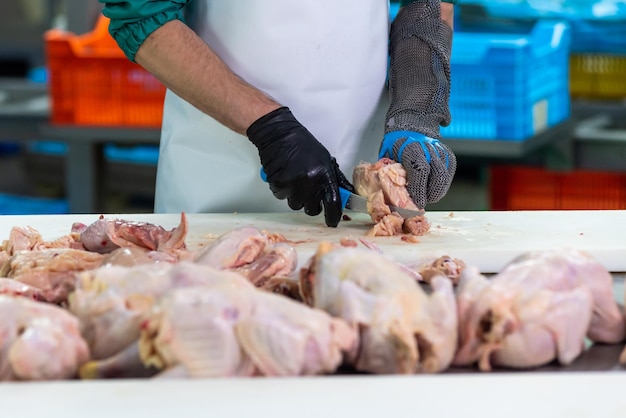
[{"x": 358, "y": 203}]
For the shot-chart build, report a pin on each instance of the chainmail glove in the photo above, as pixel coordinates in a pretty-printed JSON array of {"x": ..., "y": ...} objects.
[
  {"x": 419, "y": 86},
  {"x": 429, "y": 164}
]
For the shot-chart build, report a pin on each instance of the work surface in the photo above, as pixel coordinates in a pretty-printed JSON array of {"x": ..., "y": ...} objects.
[
  {"x": 487, "y": 240},
  {"x": 591, "y": 387}
]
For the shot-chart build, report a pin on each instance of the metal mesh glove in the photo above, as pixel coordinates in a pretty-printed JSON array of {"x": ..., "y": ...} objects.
[
  {"x": 298, "y": 167},
  {"x": 430, "y": 164},
  {"x": 419, "y": 85}
]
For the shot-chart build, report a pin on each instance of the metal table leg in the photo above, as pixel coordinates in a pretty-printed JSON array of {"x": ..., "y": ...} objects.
[{"x": 84, "y": 164}]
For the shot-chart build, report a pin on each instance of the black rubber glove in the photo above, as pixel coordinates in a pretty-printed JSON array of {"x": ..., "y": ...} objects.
[{"x": 298, "y": 167}]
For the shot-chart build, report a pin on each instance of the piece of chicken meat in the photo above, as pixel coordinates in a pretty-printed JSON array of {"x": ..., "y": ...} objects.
[
  {"x": 51, "y": 271},
  {"x": 444, "y": 265},
  {"x": 215, "y": 331},
  {"x": 402, "y": 329},
  {"x": 38, "y": 341},
  {"x": 106, "y": 235},
  {"x": 539, "y": 308},
  {"x": 27, "y": 238},
  {"x": 256, "y": 255},
  {"x": 384, "y": 183}
]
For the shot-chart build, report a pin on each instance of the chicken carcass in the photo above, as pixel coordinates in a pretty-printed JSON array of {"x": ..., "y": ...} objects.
[
  {"x": 38, "y": 341},
  {"x": 215, "y": 331},
  {"x": 402, "y": 329},
  {"x": 111, "y": 301},
  {"x": 252, "y": 253},
  {"x": 52, "y": 271},
  {"x": 568, "y": 268},
  {"x": 537, "y": 309},
  {"x": 384, "y": 183},
  {"x": 106, "y": 235}
]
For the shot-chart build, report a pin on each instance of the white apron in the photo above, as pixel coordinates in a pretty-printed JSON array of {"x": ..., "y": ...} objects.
[{"x": 324, "y": 59}]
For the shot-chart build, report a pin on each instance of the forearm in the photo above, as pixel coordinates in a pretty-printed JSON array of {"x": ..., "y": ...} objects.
[{"x": 188, "y": 67}]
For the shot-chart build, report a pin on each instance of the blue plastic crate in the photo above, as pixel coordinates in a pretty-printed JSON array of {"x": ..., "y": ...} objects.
[
  {"x": 23, "y": 205},
  {"x": 509, "y": 86},
  {"x": 394, "y": 8},
  {"x": 138, "y": 154},
  {"x": 596, "y": 25}
]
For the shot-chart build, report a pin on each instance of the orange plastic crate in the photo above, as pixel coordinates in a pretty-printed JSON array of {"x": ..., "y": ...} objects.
[
  {"x": 532, "y": 188},
  {"x": 93, "y": 83}
]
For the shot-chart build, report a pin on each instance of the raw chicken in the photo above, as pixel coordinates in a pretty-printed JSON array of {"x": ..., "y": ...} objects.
[
  {"x": 106, "y": 235},
  {"x": 234, "y": 249},
  {"x": 387, "y": 176},
  {"x": 384, "y": 183},
  {"x": 214, "y": 331},
  {"x": 538, "y": 309},
  {"x": 257, "y": 255},
  {"x": 568, "y": 268},
  {"x": 129, "y": 257},
  {"x": 285, "y": 286},
  {"x": 111, "y": 301},
  {"x": 278, "y": 260},
  {"x": 402, "y": 329},
  {"x": 444, "y": 265},
  {"x": 50, "y": 270},
  {"x": 38, "y": 341},
  {"x": 26, "y": 238},
  {"x": 10, "y": 287}
]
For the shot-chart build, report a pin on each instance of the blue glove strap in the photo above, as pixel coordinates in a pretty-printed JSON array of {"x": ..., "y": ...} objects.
[
  {"x": 386, "y": 149},
  {"x": 390, "y": 139}
]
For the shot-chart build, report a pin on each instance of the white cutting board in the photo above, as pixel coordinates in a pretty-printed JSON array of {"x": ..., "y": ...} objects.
[{"x": 487, "y": 240}]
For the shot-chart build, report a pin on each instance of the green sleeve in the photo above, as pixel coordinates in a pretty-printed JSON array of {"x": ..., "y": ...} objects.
[
  {"x": 405, "y": 2},
  {"x": 132, "y": 21}
]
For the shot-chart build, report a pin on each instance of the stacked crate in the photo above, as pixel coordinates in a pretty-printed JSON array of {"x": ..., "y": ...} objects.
[
  {"x": 597, "y": 71},
  {"x": 598, "y": 48},
  {"x": 93, "y": 83},
  {"x": 509, "y": 86}
]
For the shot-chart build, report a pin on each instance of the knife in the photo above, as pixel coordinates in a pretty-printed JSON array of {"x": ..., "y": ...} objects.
[{"x": 357, "y": 203}]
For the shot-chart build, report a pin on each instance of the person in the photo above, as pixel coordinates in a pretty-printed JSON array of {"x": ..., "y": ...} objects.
[{"x": 299, "y": 85}]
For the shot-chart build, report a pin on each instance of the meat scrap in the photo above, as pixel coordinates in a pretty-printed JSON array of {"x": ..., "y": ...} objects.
[
  {"x": 384, "y": 183},
  {"x": 417, "y": 225},
  {"x": 444, "y": 265}
]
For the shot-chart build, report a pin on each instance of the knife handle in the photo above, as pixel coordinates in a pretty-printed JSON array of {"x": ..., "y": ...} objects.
[{"x": 344, "y": 193}]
